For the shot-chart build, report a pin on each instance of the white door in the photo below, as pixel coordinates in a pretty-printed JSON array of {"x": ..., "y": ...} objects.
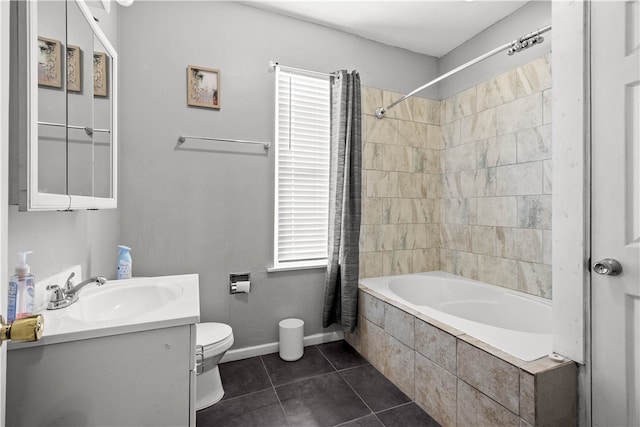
[{"x": 615, "y": 215}]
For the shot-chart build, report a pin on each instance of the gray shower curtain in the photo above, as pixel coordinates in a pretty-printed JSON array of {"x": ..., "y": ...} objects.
[{"x": 341, "y": 284}]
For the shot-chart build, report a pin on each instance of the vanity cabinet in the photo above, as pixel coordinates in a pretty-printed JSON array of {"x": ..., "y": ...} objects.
[
  {"x": 64, "y": 108},
  {"x": 142, "y": 378}
]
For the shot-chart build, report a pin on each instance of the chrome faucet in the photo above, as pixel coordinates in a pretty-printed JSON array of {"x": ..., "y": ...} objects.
[{"x": 68, "y": 294}]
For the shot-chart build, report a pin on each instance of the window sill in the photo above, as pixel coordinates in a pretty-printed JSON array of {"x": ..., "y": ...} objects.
[{"x": 299, "y": 266}]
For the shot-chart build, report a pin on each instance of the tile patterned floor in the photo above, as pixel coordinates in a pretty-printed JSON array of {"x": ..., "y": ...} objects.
[{"x": 331, "y": 385}]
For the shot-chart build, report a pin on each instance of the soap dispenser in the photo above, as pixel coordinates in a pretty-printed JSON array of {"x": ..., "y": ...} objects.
[
  {"x": 22, "y": 288},
  {"x": 124, "y": 262}
]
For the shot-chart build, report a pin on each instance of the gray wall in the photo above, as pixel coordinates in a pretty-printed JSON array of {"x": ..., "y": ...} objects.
[
  {"x": 62, "y": 239},
  {"x": 211, "y": 211},
  {"x": 528, "y": 18}
]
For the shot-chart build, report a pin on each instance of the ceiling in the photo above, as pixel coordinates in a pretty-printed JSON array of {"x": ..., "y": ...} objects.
[{"x": 429, "y": 27}]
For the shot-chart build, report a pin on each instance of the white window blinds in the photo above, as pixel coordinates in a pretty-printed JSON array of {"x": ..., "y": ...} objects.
[{"x": 302, "y": 169}]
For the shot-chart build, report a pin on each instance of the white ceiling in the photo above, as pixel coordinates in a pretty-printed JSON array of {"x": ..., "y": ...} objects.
[{"x": 429, "y": 27}]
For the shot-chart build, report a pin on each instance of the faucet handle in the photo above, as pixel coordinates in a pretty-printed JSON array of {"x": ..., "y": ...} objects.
[
  {"x": 58, "y": 293},
  {"x": 68, "y": 285}
]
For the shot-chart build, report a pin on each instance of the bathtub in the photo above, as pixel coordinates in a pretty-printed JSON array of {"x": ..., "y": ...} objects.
[{"x": 514, "y": 322}]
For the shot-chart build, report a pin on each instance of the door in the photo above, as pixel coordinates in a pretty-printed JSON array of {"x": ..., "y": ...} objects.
[{"x": 615, "y": 211}]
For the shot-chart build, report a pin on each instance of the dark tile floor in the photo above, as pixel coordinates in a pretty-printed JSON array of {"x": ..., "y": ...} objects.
[{"x": 331, "y": 385}]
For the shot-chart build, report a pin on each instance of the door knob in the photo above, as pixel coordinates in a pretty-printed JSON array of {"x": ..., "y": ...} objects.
[
  {"x": 607, "y": 267},
  {"x": 26, "y": 329}
]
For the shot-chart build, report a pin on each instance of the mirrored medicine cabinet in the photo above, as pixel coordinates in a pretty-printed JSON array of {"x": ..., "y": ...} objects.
[{"x": 65, "y": 125}]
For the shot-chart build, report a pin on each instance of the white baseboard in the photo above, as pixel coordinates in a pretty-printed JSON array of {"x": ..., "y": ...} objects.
[{"x": 272, "y": 347}]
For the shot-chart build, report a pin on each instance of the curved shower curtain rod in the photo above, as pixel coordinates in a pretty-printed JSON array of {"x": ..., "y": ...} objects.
[{"x": 513, "y": 47}]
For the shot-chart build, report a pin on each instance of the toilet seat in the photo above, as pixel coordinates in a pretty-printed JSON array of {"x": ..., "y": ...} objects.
[{"x": 213, "y": 335}]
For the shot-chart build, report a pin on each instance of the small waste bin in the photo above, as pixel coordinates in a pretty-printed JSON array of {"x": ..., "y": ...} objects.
[{"x": 291, "y": 339}]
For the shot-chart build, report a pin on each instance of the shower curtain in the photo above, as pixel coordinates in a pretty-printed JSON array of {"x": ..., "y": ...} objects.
[{"x": 341, "y": 284}]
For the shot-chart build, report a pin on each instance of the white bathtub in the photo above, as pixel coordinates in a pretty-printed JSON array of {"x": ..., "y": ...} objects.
[{"x": 514, "y": 322}]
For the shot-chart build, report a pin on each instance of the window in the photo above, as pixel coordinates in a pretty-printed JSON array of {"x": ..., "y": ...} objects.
[{"x": 302, "y": 169}]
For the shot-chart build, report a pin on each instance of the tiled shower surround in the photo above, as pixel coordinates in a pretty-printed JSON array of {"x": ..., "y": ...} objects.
[{"x": 462, "y": 185}]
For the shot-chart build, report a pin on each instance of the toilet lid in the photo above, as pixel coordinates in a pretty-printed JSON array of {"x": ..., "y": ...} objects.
[{"x": 211, "y": 333}]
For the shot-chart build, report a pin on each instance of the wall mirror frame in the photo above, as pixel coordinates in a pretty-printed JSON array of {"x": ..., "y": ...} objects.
[{"x": 96, "y": 139}]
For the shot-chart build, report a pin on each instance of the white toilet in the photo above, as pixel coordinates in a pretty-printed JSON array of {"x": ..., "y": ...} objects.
[{"x": 213, "y": 340}]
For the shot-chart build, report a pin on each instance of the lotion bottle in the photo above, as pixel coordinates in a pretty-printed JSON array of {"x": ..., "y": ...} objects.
[
  {"x": 22, "y": 288},
  {"x": 124, "y": 262}
]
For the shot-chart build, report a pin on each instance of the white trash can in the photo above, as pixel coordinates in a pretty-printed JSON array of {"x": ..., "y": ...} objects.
[{"x": 291, "y": 339}]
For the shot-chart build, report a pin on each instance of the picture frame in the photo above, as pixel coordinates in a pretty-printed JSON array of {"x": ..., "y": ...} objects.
[
  {"x": 203, "y": 87},
  {"x": 49, "y": 62},
  {"x": 100, "y": 74},
  {"x": 74, "y": 70}
]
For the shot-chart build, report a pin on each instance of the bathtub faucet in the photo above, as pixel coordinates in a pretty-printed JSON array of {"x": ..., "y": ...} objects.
[{"x": 68, "y": 294}]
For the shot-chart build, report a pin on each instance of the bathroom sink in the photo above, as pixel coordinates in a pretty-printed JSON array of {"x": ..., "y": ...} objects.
[{"x": 119, "y": 300}]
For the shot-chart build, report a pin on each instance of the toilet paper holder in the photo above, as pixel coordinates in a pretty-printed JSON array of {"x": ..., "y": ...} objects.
[{"x": 238, "y": 281}]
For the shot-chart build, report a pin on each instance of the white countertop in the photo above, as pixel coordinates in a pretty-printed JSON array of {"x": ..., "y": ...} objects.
[{"x": 59, "y": 327}]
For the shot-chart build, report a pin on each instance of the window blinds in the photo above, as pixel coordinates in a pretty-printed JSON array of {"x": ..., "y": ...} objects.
[{"x": 302, "y": 168}]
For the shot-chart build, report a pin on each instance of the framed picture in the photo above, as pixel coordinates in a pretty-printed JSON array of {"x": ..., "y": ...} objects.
[
  {"x": 203, "y": 87},
  {"x": 100, "y": 74},
  {"x": 49, "y": 70},
  {"x": 74, "y": 76}
]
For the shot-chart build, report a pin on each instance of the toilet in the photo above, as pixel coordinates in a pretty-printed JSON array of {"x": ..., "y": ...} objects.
[{"x": 212, "y": 342}]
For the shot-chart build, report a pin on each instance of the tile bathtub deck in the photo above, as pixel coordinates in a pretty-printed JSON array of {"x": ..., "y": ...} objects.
[{"x": 331, "y": 385}]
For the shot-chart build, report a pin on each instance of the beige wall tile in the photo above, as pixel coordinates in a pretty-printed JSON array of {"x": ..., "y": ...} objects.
[
  {"x": 527, "y": 397},
  {"x": 411, "y": 185},
  {"x": 397, "y": 262},
  {"x": 483, "y": 240},
  {"x": 546, "y": 246},
  {"x": 520, "y": 114},
  {"x": 519, "y": 243},
  {"x": 426, "y": 111},
  {"x": 382, "y": 184},
  {"x": 436, "y": 391},
  {"x": 459, "y": 211},
  {"x": 431, "y": 183},
  {"x": 397, "y": 211},
  {"x": 546, "y": 106},
  {"x": 372, "y": 210},
  {"x": 459, "y": 158},
  {"x": 498, "y": 271},
  {"x": 490, "y": 375},
  {"x": 534, "y": 76},
  {"x": 479, "y": 183},
  {"x": 399, "y": 365},
  {"x": 451, "y": 186},
  {"x": 500, "y": 211},
  {"x": 433, "y": 235},
  {"x": 461, "y": 263},
  {"x": 403, "y": 111},
  {"x": 520, "y": 179},
  {"x": 411, "y": 236},
  {"x": 372, "y": 156},
  {"x": 399, "y": 325},
  {"x": 426, "y": 260},
  {"x": 371, "y": 99},
  {"x": 534, "y": 144},
  {"x": 476, "y": 409},
  {"x": 412, "y": 134},
  {"x": 381, "y": 131},
  {"x": 534, "y": 212},
  {"x": 497, "y": 91},
  {"x": 397, "y": 158},
  {"x": 370, "y": 264},
  {"x": 534, "y": 278},
  {"x": 478, "y": 126},
  {"x": 371, "y": 308},
  {"x": 498, "y": 151},
  {"x": 436, "y": 345},
  {"x": 451, "y": 134},
  {"x": 373, "y": 344},
  {"x": 556, "y": 392},
  {"x": 456, "y": 236},
  {"x": 434, "y": 137},
  {"x": 425, "y": 211},
  {"x": 547, "y": 177},
  {"x": 460, "y": 105}
]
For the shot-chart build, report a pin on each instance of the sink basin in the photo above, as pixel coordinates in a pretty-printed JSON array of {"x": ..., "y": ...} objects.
[{"x": 116, "y": 300}]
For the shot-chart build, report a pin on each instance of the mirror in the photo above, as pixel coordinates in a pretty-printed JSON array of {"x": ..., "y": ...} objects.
[{"x": 70, "y": 147}]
